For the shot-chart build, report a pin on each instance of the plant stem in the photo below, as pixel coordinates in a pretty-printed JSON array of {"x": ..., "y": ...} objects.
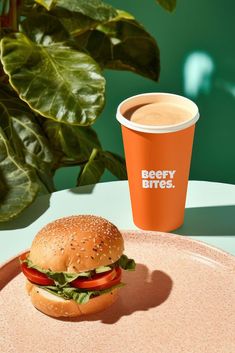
[{"x": 9, "y": 19}]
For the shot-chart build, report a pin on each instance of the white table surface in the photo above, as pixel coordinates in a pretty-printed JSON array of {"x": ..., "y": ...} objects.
[{"x": 209, "y": 215}]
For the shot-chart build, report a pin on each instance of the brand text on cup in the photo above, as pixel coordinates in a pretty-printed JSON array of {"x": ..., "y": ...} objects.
[{"x": 153, "y": 179}]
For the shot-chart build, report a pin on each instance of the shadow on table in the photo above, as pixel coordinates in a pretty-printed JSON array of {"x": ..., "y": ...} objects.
[
  {"x": 29, "y": 215},
  {"x": 217, "y": 220},
  {"x": 144, "y": 290},
  {"x": 87, "y": 189}
]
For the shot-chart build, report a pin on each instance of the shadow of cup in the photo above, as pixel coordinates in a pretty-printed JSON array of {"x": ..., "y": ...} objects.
[{"x": 214, "y": 220}]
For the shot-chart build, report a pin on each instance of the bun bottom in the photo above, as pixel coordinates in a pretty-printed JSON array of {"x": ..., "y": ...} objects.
[{"x": 55, "y": 306}]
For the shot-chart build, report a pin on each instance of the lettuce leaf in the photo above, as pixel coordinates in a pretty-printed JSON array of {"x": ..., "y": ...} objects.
[
  {"x": 126, "y": 264},
  {"x": 102, "y": 269},
  {"x": 76, "y": 294},
  {"x": 62, "y": 279}
]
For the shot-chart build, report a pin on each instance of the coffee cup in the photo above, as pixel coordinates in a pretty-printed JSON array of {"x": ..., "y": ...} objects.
[{"x": 158, "y": 131}]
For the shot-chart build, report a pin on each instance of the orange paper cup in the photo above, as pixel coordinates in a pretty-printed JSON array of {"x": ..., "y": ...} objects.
[{"x": 158, "y": 162}]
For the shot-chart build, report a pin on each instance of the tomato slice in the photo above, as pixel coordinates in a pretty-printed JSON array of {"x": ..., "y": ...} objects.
[
  {"x": 114, "y": 282},
  {"x": 99, "y": 281},
  {"x": 24, "y": 256},
  {"x": 33, "y": 275}
]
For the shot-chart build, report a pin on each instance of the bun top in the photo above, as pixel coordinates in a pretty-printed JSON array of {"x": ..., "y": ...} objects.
[{"x": 76, "y": 244}]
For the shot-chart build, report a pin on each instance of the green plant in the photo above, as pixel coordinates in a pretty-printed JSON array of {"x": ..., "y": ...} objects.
[{"x": 52, "y": 89}]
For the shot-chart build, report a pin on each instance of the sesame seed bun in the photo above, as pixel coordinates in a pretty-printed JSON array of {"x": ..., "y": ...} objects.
[
  {"x": 55, "y": 306},
  {"x": 76, "y": 244}
]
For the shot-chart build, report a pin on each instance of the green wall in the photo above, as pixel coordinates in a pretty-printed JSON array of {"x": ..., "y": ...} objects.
[{"x": 203, "y": 27}]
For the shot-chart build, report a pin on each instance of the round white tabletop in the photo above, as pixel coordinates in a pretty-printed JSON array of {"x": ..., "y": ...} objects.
[{"x": 209, "y": 214}]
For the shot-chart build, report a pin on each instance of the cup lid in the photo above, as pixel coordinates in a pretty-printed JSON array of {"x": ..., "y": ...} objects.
[{"x": 148, "y": 98}]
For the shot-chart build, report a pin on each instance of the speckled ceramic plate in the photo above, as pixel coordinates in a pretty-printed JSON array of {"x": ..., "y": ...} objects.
[{"x": 180, "y": 299}]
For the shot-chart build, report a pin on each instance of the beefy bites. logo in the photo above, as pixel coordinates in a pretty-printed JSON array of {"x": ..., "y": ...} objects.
[{"x": 158, "y": 179}]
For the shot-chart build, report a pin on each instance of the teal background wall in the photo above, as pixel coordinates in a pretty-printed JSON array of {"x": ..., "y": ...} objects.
[{"x": 197, "y": 60}]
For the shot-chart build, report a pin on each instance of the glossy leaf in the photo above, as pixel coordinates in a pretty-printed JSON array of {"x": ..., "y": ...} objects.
[
  {"x": 19, "y": 185},
  {"x": 56, "y": 81},
  {"x": 25, "y": 135},
  {"x": 168, "y": 5},
  {"x": 92, "y": 171},
  {"x": 75, "y": 23},
  {"x": 123, "y": 44},
  {"x": 44, "y": 29},
  {"x": 83, "y": 15},
  {"x": 73, "y": 143},
  {"x": 95, "y": 9},
  {"x": 3, "y": 32},
  {"x": 115, "y": 164}
]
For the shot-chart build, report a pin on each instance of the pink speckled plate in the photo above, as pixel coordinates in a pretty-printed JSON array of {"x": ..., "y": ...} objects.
[{"x": 180, "y": 299}]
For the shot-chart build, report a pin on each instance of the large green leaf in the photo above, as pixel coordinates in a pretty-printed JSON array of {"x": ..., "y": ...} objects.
[
  {"x": 56, "y": 81},
  {"x": 73, "y": 143},
  {"x": 123, "y": 44},
  {"x": 92, "y": 171},
  {"x": 18, "y": 182},
  {"x": 55, "y": 26},
  {"x": 115, "y": 164},
  {"x": 44, "y": 29},
  {"x": 25, "y": 135},
  {"x": 74, "y": 22},
  {"x": 168, "y": 5},
  {"x": 95, "y": 9},
  {"x": 80, "y": 16}
]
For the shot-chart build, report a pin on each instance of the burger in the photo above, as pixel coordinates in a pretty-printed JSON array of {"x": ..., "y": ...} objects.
[{"x": 74, "y": 266}]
